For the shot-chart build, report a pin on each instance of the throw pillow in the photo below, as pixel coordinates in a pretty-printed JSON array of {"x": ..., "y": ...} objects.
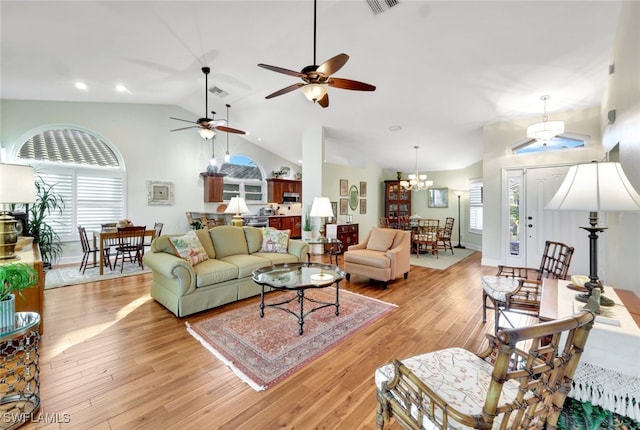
[
  {"x": 189, "y": 248},
  {"x": 381, "y": 239},
  {"x": 275, "y": 240}
]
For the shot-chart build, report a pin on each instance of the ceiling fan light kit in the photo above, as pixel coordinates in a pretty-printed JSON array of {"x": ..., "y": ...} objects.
[
  {"x": 545, "y": 130},
  {"x": 316, "y": 78}
]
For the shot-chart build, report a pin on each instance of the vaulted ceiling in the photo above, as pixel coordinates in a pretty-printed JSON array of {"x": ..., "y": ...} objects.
[{"x": 442, "y": 69}]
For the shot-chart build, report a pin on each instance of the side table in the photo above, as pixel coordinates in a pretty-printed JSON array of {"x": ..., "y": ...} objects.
[
  {"x": 335, "y": 247},
  {"x": 20, "y": 371}
]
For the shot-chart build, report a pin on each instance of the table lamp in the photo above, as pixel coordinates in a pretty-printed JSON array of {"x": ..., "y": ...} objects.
[
  {"x": 595, "y": 187},
  {"x": 237, "y": 206},
  {"x": 321, "y": 208},
  {"x": 17, "y": 185}
]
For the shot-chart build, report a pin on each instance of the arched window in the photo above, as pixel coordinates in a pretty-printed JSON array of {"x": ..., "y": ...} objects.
[
  {"x": 244, "y": 179},
  {"x": 84, "y": 170}
]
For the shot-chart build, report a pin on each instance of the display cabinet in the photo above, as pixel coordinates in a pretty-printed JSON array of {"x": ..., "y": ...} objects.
[{"x": 397, "y": 202}]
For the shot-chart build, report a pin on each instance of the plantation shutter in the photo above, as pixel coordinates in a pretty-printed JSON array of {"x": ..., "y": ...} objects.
[{"x": 475, "y": 205}]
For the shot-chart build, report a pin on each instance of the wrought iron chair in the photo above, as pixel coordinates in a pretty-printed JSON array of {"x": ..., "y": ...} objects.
[
  {"x": 512, "y": 289},
  {"x": 130, "y": 246},
  {"x": 520, "y": 380},
  {"x": 425, "y": 236},
  {"x": 444, "y": 235}
]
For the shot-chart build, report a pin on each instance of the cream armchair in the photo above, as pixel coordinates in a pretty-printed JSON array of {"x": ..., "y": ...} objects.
[{"x": 383, "y": 255}]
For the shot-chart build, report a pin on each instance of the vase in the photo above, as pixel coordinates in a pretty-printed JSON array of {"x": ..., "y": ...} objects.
[
  {"x": 306, "y": 235},
  {"x": 7, "y": 313}
]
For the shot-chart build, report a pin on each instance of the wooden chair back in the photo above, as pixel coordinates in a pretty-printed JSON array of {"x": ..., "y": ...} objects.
[
  {"x": 425, "y": 236},
  {"x": 384, "y": 222}
]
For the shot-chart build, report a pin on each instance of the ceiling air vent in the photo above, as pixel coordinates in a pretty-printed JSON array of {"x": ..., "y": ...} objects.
[
  {"x": 379, "y": 6},
  {"x": 218, "y": 92}
]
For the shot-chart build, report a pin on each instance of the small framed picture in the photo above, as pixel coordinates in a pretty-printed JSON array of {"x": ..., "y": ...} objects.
[
  {"x": 159, "y": 193},
  {"x": 344, "y": 206},
  {"x": 344, "y": 187},
  {"x": 363, "y": 206},
  {"x": 438, "y": 198},
  {"x": 363, "y": 189},
  {"x": 334, "y": 209}
]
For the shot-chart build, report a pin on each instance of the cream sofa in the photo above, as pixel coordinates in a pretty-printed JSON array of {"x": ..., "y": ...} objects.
[
  {"x": 234, "y": 253},
  {"x": 383, "y": 255}
]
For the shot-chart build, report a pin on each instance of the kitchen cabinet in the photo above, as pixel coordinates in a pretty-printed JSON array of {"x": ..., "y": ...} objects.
[
  {"x": 287, "y": 222},
  {"x": 348, "y": 234},
  {"x": 213, "y": 188},
  {"x": 277, "y": 187},
  {"x": 397, "y": 202}
]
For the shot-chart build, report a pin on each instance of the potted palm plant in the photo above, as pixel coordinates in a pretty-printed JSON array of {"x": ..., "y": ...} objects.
[
  {"x": 13, "y": 279},
  {"x": 306, "y": 227},
  {"x": 47, "y": 202}
]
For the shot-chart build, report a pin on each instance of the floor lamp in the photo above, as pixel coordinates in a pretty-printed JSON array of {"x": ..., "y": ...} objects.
[
  {"x": 595, "y": 187},
  {"x": 459, "y": 245}
]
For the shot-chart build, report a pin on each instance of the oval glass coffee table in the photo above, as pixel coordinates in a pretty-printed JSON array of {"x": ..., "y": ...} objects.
[{"x": 298, "y": 277}]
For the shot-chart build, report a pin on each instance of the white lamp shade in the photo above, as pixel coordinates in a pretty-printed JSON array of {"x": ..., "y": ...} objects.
[
  {"x": 545, "y": 130},
  {"x": 237, "y": 206},
  {"x": 595, "y": 187},
  {"x": 206, "y": 133},
  {"x": 321, "y": 207},
  {"x": 17, "y": 184},
  {"x": 314, "y": 92}
]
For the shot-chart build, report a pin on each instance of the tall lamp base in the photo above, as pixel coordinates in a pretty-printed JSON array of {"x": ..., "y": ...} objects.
[
  {"x": 237, "y": 220},
  {"x": 459, "y": 246}
]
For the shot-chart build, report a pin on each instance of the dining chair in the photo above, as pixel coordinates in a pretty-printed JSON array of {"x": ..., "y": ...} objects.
[
  {"x": 425, "y": 236},
  {"x": 130, "y": 246},
  {"x": 519, "y": 381},
  {"x": 158, "y": 231},
  {"x": 444, "y": 235},
  {"x": 383, "y": 222},
  {"x": 87, "y": 250}
]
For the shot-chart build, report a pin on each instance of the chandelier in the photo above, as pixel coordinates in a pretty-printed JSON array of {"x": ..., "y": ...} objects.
[
  {"x": 545, "y": 130},
  {"x": 417, "y": 181}
]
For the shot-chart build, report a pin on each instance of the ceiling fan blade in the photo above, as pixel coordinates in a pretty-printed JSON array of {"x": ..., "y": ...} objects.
[
  {"x": 281, "y": 70},
  {"x": 184, "y": 128},
  {"x": 348, "y": 84},
  {"x": 229, "y": 129},
  {"x": 285, "y": 90},
  {"x": 185, "y": 120},
  {"x": 324, "y": 101},
  {"x": 333, "y": 64}
]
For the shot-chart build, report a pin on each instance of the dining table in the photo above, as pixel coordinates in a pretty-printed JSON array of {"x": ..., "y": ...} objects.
[
  {"x": 608, "y": 374},
  {"x": 100, "y": 237}
]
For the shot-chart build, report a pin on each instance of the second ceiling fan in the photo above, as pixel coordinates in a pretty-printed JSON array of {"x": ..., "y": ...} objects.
[
  {"x": 316, "y": 78},
  {"x": 207, "y": 127}
]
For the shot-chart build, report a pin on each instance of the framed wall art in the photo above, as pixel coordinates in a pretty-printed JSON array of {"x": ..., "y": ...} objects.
[
  {"x": 363, "y": 189},
  {"x": 353, "y": 197},
  {"x": 159, "y": 193},
  {"x": 344, "y": 206},
  {"x": 363, "y": 206},
  {"x": 344, "y": 187},
  {"x": 334, "y": 208},
  {"x": 438, "y": 198}
]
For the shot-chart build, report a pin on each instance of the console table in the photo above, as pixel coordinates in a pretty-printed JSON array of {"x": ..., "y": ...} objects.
[{"x": 608, "y": 374}]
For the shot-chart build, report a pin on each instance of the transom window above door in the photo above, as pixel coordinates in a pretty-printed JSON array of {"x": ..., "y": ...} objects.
[{"x": 558, "y": 143}]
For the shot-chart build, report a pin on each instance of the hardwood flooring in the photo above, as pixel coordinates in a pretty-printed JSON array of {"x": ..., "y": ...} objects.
[{"x": 113, "y": 358}]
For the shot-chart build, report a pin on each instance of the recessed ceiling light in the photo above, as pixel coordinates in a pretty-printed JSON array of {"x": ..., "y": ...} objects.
[
  {"x": 82, "y": 86},
  {"x": 121, "y": 89},
  {"x": 395, "y": 128}
]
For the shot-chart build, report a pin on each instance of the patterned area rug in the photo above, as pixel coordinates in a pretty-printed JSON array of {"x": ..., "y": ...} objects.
[
  {"x": 264, "y": 351},
  {"x": 444, "y": 260},
  {"x": 65, "y": 276}
]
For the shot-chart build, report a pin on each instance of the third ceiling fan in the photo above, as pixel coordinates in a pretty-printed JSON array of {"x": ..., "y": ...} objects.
[{"x": 316, "y": 78}]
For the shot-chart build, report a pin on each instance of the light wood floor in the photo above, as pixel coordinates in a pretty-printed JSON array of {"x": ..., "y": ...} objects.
[{"x": 112, "y": 358}]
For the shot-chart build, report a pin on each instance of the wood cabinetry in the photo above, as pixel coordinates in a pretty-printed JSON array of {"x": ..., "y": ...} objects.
[
  {"x": 348, "y": 234},
  {"x": 277, "y": 187},
  {"x": 397, "y": 202},
  {"x": 33, "y": 300},
  {"x": 288, "y": 222},
  {"x": 213, "y": 188}
]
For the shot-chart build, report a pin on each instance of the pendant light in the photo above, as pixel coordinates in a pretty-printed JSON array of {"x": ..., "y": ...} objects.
[{"x": 545, "y": 130}]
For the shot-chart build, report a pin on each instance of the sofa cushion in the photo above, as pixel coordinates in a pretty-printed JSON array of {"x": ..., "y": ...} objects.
[
  {"x": 275, "y": 240},
  {"x": 254, "y": 238},
  {"x": 213, "y": 272},
  {"x": 381, "y": 239},
  {"x": 276, "y": 258},
  {"x": 228, "y": 240},
  {"x": 205, "y": 240},
  {"x": 246, "y": 264},
  {"x": 188, "y": 247},
  {"x": 368, "y": 257}
]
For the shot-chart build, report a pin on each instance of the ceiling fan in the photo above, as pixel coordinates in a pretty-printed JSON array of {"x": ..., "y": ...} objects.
[
  {"x": 207, "y": 127},
  {"x": 316, "y": 78}
]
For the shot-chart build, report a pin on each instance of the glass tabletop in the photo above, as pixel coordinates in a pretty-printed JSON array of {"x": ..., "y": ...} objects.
[
  {"x": 298, "y": 275},
  {"x": 23, "y": 321},
  {"x": 322, "y": 240}
]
